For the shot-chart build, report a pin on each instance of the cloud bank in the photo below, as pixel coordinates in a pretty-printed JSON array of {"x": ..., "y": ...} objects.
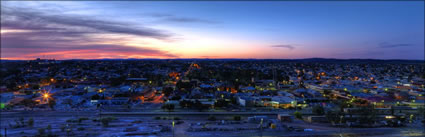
[{"x": 29, "y": 34}]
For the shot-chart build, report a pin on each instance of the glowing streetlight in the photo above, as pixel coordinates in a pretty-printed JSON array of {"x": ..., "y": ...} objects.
[{"x": 46, "y": 96}]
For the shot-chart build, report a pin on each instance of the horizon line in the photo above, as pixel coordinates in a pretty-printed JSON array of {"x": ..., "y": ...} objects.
[{"x": 216, "y": 59}]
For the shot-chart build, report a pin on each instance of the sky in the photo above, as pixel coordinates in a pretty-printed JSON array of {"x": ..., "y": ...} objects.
[{"x": 225, "y": 29}]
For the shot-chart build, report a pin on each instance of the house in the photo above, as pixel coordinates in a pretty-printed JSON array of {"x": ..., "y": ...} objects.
[{"x": 285, "y": 117}]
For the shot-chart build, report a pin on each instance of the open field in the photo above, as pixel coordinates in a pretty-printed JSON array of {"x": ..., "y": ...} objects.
[{"x": 187, "y": 125}]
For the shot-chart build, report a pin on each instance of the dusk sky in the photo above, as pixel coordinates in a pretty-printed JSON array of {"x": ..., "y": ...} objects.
[{"x": 226, "y": 29}]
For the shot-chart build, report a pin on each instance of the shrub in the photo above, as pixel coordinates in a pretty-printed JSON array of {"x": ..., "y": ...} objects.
[
  {"x": 41, "y": 131},
  {"x": 72, "y": 121},
  {"x": 111, "y": 118},
  {"x": 21, "y": 120},
  {"x": 49, "y": 128},
  {"x": 176, "y": 118},
  {"x": 298, "y": 115},
  {"x": 31, "y": 122},
  {"x": 211, "y": 118},
  {"x": 80, "y": 128},
  {"x": 105, "y": 121},
  {"x": 62, "y": 128},
  {"x": 157, "y": 118},
  {"x": 237, "y": 118},
  {"x": 81, "y": 119},
  {"x": 179, "y": 122}
]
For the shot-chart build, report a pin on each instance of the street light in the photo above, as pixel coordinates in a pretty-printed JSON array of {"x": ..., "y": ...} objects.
[
  {"x": 46, "y": 96},
  {"x": 261, "y": 127},
  {"x": 173, "y": 127},
  {"x": 340, "y": 126}
]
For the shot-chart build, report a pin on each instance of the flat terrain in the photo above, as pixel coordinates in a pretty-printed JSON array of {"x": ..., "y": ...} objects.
[{"x": 149, "y": 125}]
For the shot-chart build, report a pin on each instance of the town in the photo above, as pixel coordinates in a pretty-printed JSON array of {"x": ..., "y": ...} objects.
[{"x": 212, "y": 97}]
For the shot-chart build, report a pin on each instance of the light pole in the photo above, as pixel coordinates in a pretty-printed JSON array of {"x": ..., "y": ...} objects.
[
  {"x": 100, "y": 113},
  {"x": 340, "y": 128},
  {"x": 261, "y": 127},
  {"x": 173, "y": 127}
]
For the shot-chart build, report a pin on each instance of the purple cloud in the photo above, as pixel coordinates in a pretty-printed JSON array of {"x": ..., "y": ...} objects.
[
  {"x": 389, "y": 45},
  {"x": 70, "y": 36},
  {"x": 284, "y": 46}
]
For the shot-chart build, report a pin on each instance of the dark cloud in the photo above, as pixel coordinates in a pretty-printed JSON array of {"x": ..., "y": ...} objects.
[
  {"x": 284, "y": 46},
  {"x": 16, "y": 18},
  {"x": 25, "y": 48},
  {"x": 174, "y": 18},
  {"x": 389, "y": 45},
  {"x": 67, "y": 36}
]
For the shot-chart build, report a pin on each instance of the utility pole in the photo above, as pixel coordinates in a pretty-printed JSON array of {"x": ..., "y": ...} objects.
[{"x": 5, "y": 132}]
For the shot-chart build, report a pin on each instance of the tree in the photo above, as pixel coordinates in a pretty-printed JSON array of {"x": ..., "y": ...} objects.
[
  {"x": 212, "y": 118},
  {"x": 167, "y": 91},
  {"x": 36, "y": 86},
  {"x": 237, "y": 118},
  {"x": 198, "y": 105},
  {"x": 169, "y": 107},
  {"x": 318, "y": 110},
  {"x": 31, "y": 122},
  {"x": 334, "y": 116},
  {"x": 51, "y": 103},
  {"x": 367, "y": 115},
  {"x": 298, "y": 115},
  {"x": 28, "y": 103},
  {"x": 221, "y": 103}
]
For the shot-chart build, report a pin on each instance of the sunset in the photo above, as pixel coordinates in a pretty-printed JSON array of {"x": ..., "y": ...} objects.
[{"x": 262, "y": 30}]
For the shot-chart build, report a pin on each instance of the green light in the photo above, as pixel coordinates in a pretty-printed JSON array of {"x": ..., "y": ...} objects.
[{"x": 2, "y": 105}]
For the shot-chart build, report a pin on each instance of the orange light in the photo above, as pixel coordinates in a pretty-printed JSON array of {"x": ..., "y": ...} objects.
[{"x": 46, "y": 95}]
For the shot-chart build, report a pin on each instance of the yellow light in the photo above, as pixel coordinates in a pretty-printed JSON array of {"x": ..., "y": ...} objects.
[
  {"x": 389, "y": 117},
  {"x": 52, "y": 79},
  {"x": 46, "y": 95}
]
